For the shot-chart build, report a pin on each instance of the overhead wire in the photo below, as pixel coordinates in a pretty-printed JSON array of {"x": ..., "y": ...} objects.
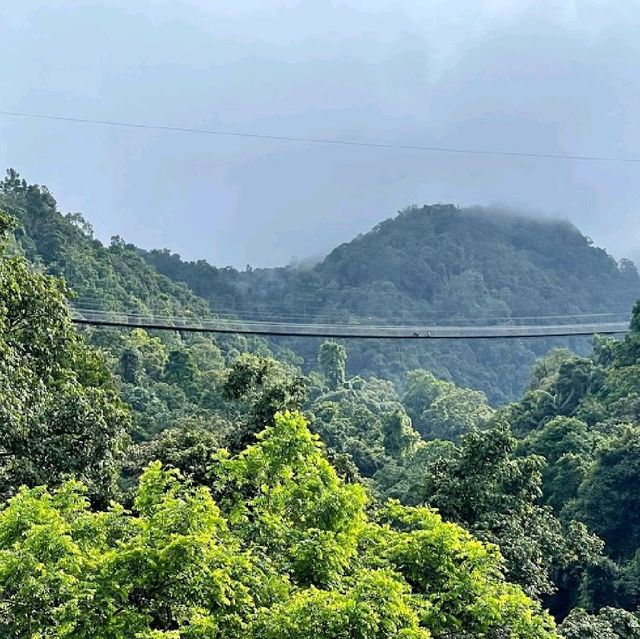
[{"x": 321, "y": 141}]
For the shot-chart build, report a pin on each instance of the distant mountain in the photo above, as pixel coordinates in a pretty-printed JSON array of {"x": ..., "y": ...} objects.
[{"x": 427, "y": 265}]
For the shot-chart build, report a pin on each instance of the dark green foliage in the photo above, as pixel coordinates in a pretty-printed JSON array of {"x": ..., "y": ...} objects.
[
  {"x": 635, "y": 318},
  {"x": 332, "y": 360},
  {"x": 261, "y": 386},
  {"x": 167, "y": 381},
  {"x": 545, "y": 370},
  {"x": 364, "y": 419},
  {"x": 179, "y": 368},
  {"x": 608, "y": 499},
  {"x": 188, "y": 448},
  {"x": 487, "y": 488},
  {"x": 570, "y": 391},
  {"x": 576, "y": 378},
  {"x": 568, "y": 446},
  {"x": 399, "y": 439},
  {"x": 585, "y": 424},
  {"x": 130, "y": 365},
  {"x": 609, "y": 623}
]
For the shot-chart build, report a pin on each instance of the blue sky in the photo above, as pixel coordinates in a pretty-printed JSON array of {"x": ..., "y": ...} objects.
[{"x": 556, "y": 77}]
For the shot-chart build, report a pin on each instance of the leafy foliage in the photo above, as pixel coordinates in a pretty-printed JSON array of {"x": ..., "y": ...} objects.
[
  {"x": 587, "y": 430},
  {"x": 441, "y": 410},
  {"x": 290, "y": 552},
  {"x": 483, "y": 485},
  {"x": 610, "y": 623},
  {"x": 59, "y": 414}
]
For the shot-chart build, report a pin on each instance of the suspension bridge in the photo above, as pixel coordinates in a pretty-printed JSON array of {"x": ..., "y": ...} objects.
[{"x": 510, "y": 329}]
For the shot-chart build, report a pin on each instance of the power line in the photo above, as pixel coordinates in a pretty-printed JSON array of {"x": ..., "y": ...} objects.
[
  {"x": 324, "y": 141},
  {"x": 267, "y": 329}
]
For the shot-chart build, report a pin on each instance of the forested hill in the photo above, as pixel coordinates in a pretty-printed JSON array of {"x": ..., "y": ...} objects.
[
  {"x": 425, "y": 265},
  {"x": 110, "y": 278},
  {"x": 464, "y": 262},
  {"x": 430, "y": 264}
]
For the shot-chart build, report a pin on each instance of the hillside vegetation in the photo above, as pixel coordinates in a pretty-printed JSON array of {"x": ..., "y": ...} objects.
[
  {"x": 171, "y": 486},
  {"x": 266, "y": 541}
]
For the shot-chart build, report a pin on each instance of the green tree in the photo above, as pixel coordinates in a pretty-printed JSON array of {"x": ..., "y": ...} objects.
[
  {"x": 364, "y": 420},
  {"x": 130, "y": 365},
  {"x": 607, "y": 500},
  {"x": 568, "y": 446},
  {"x": 290, "y": 551},
  {"x": 545, "y": 370},
  {"x": 609, "y": 623},
  {"x": 441, "y": 410},
  {"x": 373, "y": 605},
  {"x": 422, "y": 389},
  {"x": 260, "y": 387},
  {"x": 171, "y": 569},
  {"x": 59, "y": 414},
  {"x": 188, "y": 448},
  {"x": 459, "y": 411},
  {"x": 399, "y": 438},
  {"x": 489, "y": 489},
  {"x": 179, "y": 368},
  {"x": 332, "y": 359}
]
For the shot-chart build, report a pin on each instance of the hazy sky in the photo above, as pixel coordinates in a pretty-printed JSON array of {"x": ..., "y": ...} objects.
[{"x": 548, "y": 77}]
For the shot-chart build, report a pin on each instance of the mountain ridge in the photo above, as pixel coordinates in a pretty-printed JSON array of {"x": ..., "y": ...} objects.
[{"x": 426, "y": 263}]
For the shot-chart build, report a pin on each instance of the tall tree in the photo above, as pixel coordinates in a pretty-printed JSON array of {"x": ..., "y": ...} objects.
[
  {"x": 332, "y": 359},
  {"x": 59, "y": 414}
]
